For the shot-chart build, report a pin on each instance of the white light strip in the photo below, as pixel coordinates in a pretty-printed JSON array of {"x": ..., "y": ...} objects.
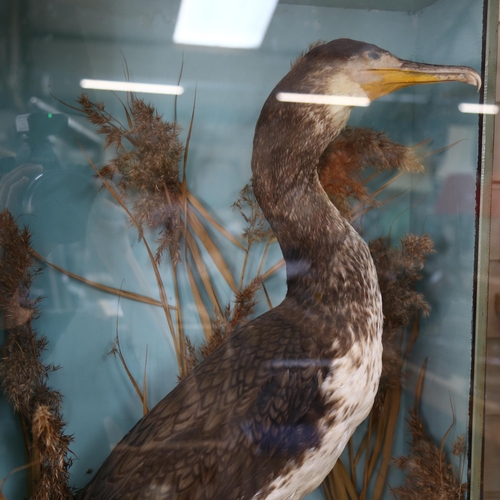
[
  {"x": 482, "y": 109},
  {"x": 145, "y": 88},
  {"x": 224, "y": 23},
  {"x": 335, "y": 100}
]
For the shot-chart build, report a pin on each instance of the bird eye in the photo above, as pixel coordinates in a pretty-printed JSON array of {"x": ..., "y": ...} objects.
[{"x": 373, "y": 55}]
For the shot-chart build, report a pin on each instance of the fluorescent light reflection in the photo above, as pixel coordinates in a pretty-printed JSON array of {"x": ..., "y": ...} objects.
[
  {"x": 145, "y": 88},
  {"x": 224, "y": 23},
  {"x": 482, "y": 109},
  {"x": 335, "y": 100}
]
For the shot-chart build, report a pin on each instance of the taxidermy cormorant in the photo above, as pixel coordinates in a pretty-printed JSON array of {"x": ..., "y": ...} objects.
[{"x": 268, "y": 413}]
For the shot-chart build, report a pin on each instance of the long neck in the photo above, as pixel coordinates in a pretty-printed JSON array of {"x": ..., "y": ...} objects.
[{"x": 289, "y": 141}]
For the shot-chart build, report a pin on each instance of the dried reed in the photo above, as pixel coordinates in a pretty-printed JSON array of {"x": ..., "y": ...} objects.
[
  {"x": 24, "y": 376},
  {"x": 224, "y": 322},
  {"x": 353, "y": 150},
  {"x": 429, "y": 473},
  {"x": 149, "y": 170}
]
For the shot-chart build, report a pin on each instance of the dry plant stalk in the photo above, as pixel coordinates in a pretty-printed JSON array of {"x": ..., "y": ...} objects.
[
  {"x": 23, "y": 376},
  {"x": 429, "y": 473},
  {"x": 353, "y": 150},
  {"x": 256, "y": 228},
  {"x": 398, "y": 270},
  {"x": 149, "y": 169},
  {"x": 224, "y": 322},
  {"x": 116, "y": 350}
]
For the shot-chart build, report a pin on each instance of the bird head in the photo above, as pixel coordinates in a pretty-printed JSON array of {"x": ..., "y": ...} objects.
[{"x": 350, "y": 68}]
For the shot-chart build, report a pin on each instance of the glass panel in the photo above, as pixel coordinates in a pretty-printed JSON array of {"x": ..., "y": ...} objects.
[
  {"x": 118, "y": 349},
  {"x": 492, "y": 407}
]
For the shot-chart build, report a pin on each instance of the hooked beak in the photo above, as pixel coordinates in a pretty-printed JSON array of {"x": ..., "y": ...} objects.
[{"x": 378, "y": 82}]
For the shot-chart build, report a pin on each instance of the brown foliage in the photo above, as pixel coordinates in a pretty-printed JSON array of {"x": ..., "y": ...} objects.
[
  {"x": 256, "y": 227},
  {"x": 23, "y": 376},
  {"x": 428, "y": 472},
  {"x": 224, "y": 324},
  {"x": 353, "y": 150},
  {"x": 52, "y": 445},
  {"x": 16, "y": 273},
  {"x": 149, "y": 170},
  {"x": 398, "y": 269}
]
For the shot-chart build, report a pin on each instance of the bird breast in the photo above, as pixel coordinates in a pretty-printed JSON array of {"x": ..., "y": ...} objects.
[
  {"x": 349, "y": 390},
  {"x": 351, "y": 385}
]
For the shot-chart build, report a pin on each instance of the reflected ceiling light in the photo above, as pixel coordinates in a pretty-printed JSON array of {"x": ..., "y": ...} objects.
[
  {"x": 224, "y": 23},
  {"x": 336, "y": 100},
  {"x": 482, "y": 109},
  {"x": 145, "y": 88}
]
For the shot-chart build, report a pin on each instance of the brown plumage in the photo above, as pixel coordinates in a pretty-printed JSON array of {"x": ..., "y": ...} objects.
[{"x": 267, "y": 414}]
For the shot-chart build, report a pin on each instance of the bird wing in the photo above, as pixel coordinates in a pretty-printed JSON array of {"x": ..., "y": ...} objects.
[{"x": 230, "y": 426}]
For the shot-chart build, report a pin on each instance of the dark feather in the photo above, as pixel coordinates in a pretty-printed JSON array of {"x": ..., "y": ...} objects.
[{"x": 232, "y": 424}]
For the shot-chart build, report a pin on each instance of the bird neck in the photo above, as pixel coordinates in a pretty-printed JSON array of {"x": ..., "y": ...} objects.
[{"x": 289, "y": 140}]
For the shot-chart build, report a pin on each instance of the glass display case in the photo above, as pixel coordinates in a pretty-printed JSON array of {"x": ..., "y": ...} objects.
[{"x": 126, "y": 143}]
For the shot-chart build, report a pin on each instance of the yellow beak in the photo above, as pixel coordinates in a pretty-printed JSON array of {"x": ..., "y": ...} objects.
[{"x": 377, "y": 82}]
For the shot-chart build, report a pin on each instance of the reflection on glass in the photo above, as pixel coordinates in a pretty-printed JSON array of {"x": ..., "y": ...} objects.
[
  {"x": 336, "y": 100},
  {"x": 484, "y": 109},
  {"x": 224, "y": 23},
  {"x": 145, "y": 88}
]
